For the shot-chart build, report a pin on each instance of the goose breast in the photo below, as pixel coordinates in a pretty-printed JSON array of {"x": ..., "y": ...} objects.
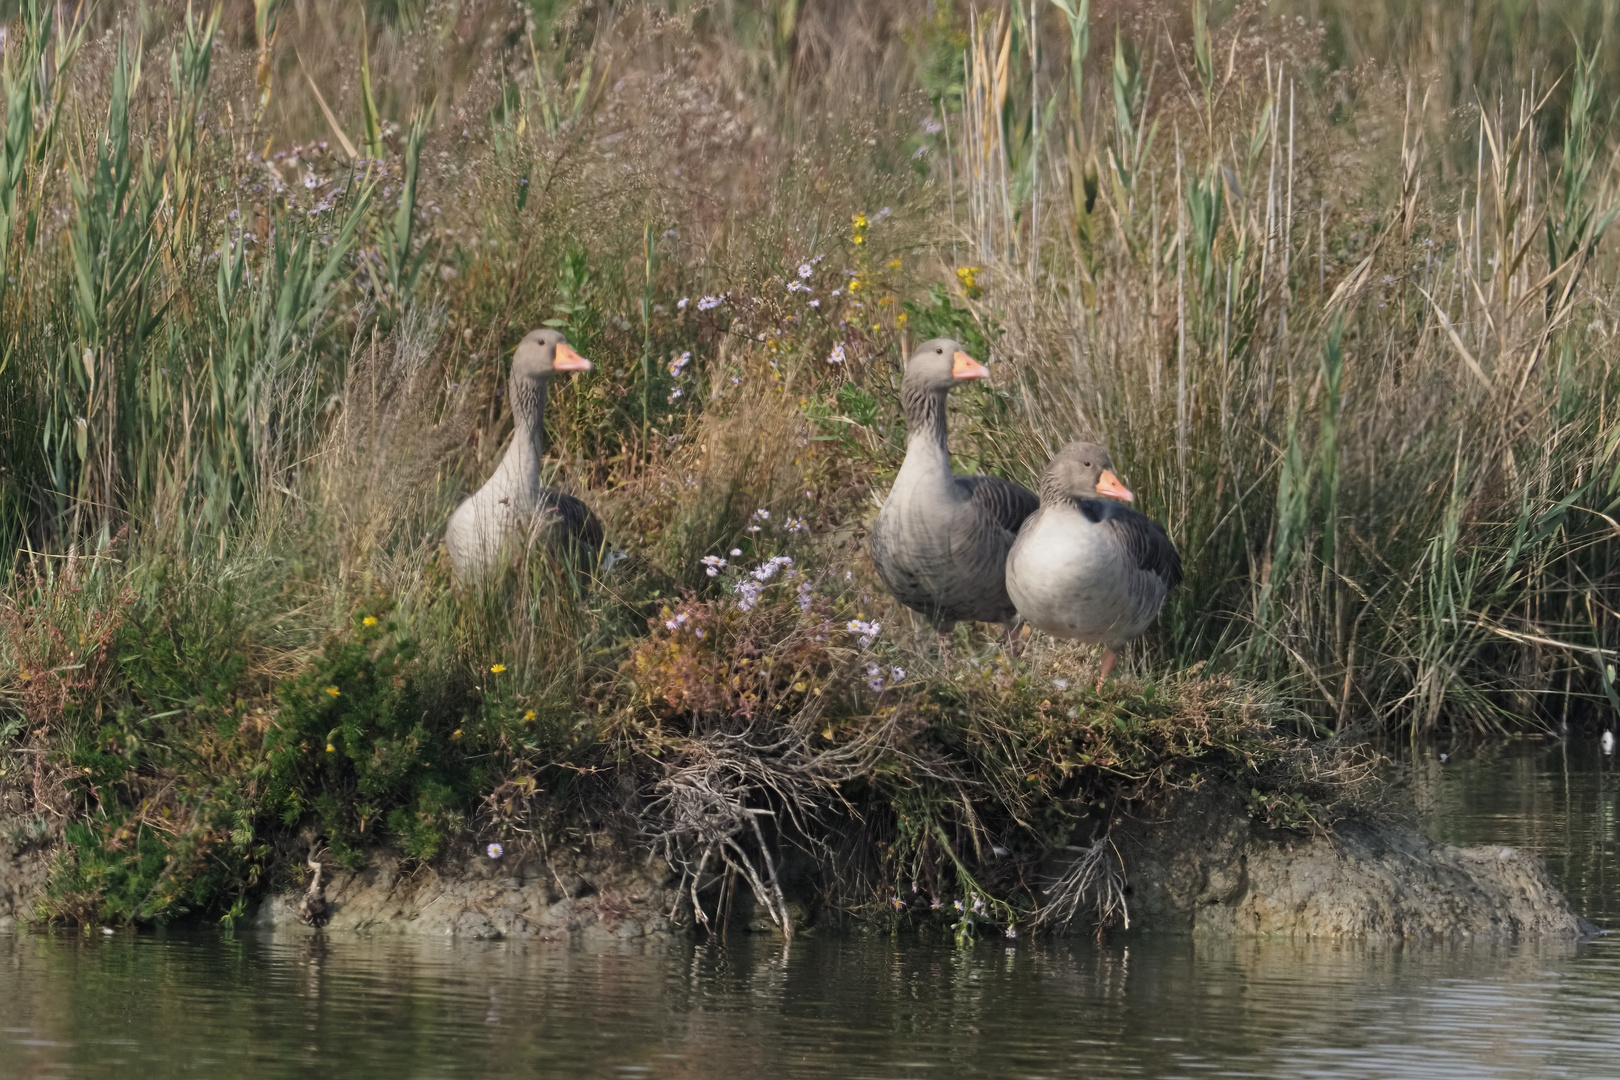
[{"x": 1073, "y": 573}]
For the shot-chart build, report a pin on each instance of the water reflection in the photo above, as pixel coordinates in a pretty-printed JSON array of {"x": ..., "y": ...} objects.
[
  {"x": 203, "y": 1004},
  {"x": 189, "y": 1004}
]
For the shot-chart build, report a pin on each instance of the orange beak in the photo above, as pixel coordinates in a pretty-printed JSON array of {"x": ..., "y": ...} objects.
[
  {"x": 964, "y": 366},
  {"x": 1108, "y": 484},
  {"x": 567, "y": 359}
]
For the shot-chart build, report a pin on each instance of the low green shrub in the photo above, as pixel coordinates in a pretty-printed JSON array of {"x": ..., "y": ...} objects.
[{"x": 361, "y": 747}]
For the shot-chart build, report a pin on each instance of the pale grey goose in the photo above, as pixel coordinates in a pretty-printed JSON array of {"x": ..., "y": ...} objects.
[
  {"x": 512, "y": 510},
  {"x": 1090, "y": 568},
  {"x": 940, "y": 542}
]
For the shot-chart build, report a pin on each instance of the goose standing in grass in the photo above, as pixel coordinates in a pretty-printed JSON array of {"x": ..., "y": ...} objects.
[
  {"x": 941, "y": 540},
  {"x": 512, "y": 510},
  {"x": 1090, "y": 568}
]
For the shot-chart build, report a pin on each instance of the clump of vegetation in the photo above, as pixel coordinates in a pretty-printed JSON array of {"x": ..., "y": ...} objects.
[{"x": 1346, "y": 333}]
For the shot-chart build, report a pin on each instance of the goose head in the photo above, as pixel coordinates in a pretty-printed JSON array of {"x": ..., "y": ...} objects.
[
  {"x": 939, "y": 364},
  {"x": 544, "y": 351},
  {"x": 1083, "y": 470}
]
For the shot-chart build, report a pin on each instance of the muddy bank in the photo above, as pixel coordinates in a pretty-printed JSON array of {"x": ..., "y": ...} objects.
[
  {"x": 1199, "y": 866},
  {"x": 1202, "y": 866},
  {"x": 24, "y": 869},
  {"x": 608, "y": 892}
]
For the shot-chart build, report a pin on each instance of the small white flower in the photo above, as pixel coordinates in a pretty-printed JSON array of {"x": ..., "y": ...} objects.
[
  {"x": 494, "y": 851},
  {"x": 805, "y": 270},
  {"x": 867, "y": 632},
  {"x": 815, "y": 303},
  {"x": 713, "y": 564},
  {"x": 673, "y": 394},
  {"x": 680, "y": 305},
  {"x": 898, "y": 674},
  {"x": 709, "y": 303},
  {"x": 837, "y": 355}
]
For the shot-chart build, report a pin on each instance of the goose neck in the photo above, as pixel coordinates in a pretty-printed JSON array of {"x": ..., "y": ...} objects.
[
  {"x": 925, "y": 416},
  {"x": 528, "y": 398}
]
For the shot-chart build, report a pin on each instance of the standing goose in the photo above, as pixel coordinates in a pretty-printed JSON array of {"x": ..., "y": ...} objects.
[
  {"x": 940, "y": 542},
  {"x": 1089, "y": 568},
  {"x": 512, "y": 509}
]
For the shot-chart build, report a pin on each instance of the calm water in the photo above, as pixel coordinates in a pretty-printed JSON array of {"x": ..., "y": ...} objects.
[{"x": 202, "y": 1004}]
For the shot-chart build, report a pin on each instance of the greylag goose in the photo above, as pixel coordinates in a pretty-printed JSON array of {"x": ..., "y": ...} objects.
[
  {"x": 512, "y": 510},
  {"x": 940, "y": 542},
  {"x": 1090, "y": 568}
]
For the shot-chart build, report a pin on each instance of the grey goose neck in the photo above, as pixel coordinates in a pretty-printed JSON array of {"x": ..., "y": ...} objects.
[{"x": 924, "y": 407}]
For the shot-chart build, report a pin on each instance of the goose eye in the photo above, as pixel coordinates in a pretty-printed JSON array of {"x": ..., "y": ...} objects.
[
  {"x": 940, "y": 351},
  {"x": 1088, "y": 464}
]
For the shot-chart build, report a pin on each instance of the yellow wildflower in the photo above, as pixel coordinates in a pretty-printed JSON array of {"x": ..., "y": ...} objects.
[
  {"x": 901, "y": 319},
  {"x": 968, "y": 276},
  {"x": 456, "y": 734},
  {"x": 369, "y": 620},
  {"x": 528, "y": 717},
  {"x": 330, "y": 749},
  {"x": 496, "y": 669},
  {"x": 860, "y": 221},
  {"x": 855, "y": 284},
  {"x": 893, "y": 264},
  {"x": 333, "y": 691}
]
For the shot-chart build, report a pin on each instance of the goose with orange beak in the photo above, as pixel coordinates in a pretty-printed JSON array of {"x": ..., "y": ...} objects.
[
  {"x": 1085, "y": 565},
  {"x": 513, "y": 510},
  {"x": 940, "y": 542}
]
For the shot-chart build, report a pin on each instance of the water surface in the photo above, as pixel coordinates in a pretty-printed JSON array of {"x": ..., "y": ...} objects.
[{"x": 201, "y": 1003}]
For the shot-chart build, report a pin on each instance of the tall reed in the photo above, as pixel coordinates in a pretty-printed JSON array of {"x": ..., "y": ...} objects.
[{"x": 1379, "y": 429}]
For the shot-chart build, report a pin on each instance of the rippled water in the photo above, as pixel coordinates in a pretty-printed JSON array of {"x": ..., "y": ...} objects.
[{"x": 204, "y": 1004}]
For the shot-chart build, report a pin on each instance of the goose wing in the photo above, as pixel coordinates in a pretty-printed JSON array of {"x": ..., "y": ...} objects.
[
  {"x": 999, "y": 499},
  {"x": 575, "y": 524},
  {"x": 1142, "y": 538}
]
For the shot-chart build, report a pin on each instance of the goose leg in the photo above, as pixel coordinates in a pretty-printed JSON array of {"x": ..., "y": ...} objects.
[
  {"x": 1017, "y": 632},
  {"x": 945, "y": 630},
  {"x": 1110, "y": 657}
]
